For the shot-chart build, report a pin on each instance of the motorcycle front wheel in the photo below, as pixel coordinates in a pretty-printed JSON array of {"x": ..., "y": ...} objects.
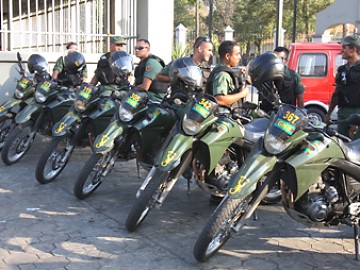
[
  {"x": 53, "y": 159},
  {"x": 147, "y": 200},
  {"x": 5, "y": 128},
  {"x": 92, "y": 174},
  {"x": 17, "y": 143}
]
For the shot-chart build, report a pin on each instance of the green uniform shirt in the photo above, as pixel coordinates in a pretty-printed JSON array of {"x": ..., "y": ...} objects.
[
  {"x": 153, "y": 67},
  {"x": 223, "y": 83}
]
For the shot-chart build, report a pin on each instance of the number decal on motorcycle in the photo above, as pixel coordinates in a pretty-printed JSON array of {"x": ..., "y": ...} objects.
[
  {"x": 2, "y": 108},
  {"x": 133, "y": 100},
  {"x": 200, "y": 109},
  {"x": 60, "y": 128},
  {"x": 169, "y": 157},
  {"x": 205, "y": 103},
  {"x": 86, "y": 92},
  {"x": 291, "y": 117},
  {"x": 102, "y": 141},
  {"x": 240, "y": 184},
  {"x": 45, "y": 86},
  {"x": 23, "y": 83},
  {"x": 284, "y": 126}
]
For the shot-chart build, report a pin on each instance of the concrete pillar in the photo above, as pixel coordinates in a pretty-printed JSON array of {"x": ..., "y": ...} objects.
[
  {"x": 281, "y": 37},
  {"x": 180, "y": 36},
  {"x": 229, "y": 33}
]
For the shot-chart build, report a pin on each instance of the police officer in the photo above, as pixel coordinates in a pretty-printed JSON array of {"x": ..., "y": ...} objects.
[
  {"x": 103, "y": 73},
  {"x": 147, "y": 69},
  {"x": 290, "y": 89},
  {"x": 59, "y": 72},
  {"x": 223, "y": 83},
  {"x": 347, "y": 92}
]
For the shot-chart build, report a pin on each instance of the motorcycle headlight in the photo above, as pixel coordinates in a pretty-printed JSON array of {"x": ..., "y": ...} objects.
[
  {"x": 125, "y": 115},
  {"x": 274, "y": 145},
  {"x": 40, "y": 97},
  {"x": 190, "y": 126},
  {"x": 80, "y": 106},
  {"x": 19, "y": 94}
]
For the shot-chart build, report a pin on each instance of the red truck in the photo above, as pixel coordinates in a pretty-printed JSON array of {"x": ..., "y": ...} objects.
[{"x": 317, "y": 64}]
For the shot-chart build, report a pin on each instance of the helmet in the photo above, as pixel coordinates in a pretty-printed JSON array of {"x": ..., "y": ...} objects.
[
  {"x": 74, "y": 62},
  {"x": 121, "y": 63},
  {"x": 37, "y": 63},
  {"x": 267, "y": 67},
  {"x": 185, "y": 70}
]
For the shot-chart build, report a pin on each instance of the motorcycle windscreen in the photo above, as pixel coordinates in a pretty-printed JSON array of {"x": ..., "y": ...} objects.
[
  {"x": 45, "y": 86},
  {"x": 84, "y": 96},
  {"x": 23, "y": 84},
  {"x": 288, "y": 120},
  {"x": 135, "y": 100},
  {"x": 201, "y": 108}
]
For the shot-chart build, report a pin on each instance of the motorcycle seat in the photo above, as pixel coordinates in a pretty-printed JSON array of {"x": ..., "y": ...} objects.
[
  {"x": 351, "y": 150},
  {"x": 255, "y": 129}
]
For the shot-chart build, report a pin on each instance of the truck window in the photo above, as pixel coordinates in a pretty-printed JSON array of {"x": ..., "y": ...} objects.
[{"x": 312, "y": 65}]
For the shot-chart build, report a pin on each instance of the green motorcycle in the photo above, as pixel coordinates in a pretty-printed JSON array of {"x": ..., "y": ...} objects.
[
  {"x": 88, "y": 117},
  {"x": 49, "y": 105},
  {"x": 24, "y": 92},
  {"x": 137, "y": 131},
  {"x": 213, "y": 145}
]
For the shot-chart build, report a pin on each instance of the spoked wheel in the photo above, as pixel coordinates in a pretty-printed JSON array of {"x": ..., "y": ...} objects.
[
  {"x": 92, "y": 174},
  {"x": 5, "y": 127},
  {"x": 218, "y": 229},
  {"x": 146, "y": 200},
  {"x": 53, "y": 159},
  {"x": 17, "y": 143}
]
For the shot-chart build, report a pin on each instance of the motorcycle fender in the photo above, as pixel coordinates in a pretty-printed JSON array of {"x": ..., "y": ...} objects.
[
  {"x": 66, "y": 101},
  {"x": 107, "y": 108},
  {"x": 63, "y": 126},
  {"x": 105, "y": 141},
  {"x": 220, "y": 137},
  {"x": 170, "y": 157},
  {"x": 244, "y": 182},
  {"x": 25, "y": 114},
  {"x": 308, "y": 163},
  {"x": 8, "y": 105}
]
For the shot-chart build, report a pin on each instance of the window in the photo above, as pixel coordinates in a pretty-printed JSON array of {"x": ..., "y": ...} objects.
[{"x": 312, "y": 65}]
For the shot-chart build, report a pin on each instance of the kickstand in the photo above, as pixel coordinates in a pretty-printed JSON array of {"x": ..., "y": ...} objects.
[
  {"x": 255, "y": 216},
  {"x": 356, "y": 238},
  {"x": 138, "y": 168}
]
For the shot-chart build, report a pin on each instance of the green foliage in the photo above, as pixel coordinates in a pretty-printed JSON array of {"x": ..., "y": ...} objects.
[{"x": 179, "y": 51}]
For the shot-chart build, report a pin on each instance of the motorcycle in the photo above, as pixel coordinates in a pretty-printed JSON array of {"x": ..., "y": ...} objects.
[
  {"x": 50, "y": 104},
  {"x": 214, "y": 145},
  {"x": 88, "y": 117},
  {"x": 137, "y": 131},
  {"x": 24, "y": 92},
  {"x": 319, "y": 174}
]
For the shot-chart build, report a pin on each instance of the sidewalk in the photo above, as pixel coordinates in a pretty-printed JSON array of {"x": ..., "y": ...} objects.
[{"x": 46, "y": 227}]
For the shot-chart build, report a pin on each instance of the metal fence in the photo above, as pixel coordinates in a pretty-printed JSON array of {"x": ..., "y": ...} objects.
[{"x": 47, "y": 25}]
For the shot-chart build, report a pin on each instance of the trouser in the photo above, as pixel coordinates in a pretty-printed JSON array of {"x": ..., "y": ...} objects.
[{"x": 344, "y": 128}]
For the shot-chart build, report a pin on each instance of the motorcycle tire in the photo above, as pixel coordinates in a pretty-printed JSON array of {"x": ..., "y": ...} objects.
[
  {"x": 5, "y": 128},
  {"x": 273, "y": 196},
  {"x": 50, "y": 165},
  {"x": 13, "y": 149},
  {"x": 90, "y": 177},
  {"x": 146, "y": 200}
]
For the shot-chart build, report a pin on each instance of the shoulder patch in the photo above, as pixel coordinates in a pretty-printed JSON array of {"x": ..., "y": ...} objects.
[{"x": 148, "y": 68}]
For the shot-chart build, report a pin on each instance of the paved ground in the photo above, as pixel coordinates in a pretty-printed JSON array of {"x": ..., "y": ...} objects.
[{"x": 46, "y": 227}]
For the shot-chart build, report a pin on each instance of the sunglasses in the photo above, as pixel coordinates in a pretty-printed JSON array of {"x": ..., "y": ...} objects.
[
  {"x": 201, "y": 40},
  {"x": 139, "y": 48}
]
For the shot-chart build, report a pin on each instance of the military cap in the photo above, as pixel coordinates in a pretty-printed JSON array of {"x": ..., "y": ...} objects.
[
  {"x": 351, "y": 41},
  {"x": 118, "y": 40}
]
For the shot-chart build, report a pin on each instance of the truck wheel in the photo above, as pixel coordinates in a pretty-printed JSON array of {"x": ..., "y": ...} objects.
[{"x": 316, "y": 114}]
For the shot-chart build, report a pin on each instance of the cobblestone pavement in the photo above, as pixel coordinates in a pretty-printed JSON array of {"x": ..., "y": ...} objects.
[{"x": 46, "y": 227}]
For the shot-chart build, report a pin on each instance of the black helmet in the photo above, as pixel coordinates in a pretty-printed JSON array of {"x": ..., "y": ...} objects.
[
  {"x": 74, "y": 62},
  {"x": 121, "y": 63},
  {"x": 266, "y": 68},
  {"x": 37, "y": 63},
  {"x": 185, "y": 70}
]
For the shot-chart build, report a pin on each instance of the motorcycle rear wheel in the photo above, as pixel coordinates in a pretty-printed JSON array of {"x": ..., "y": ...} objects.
[
  {"x": 50, "y": 163},
  {"x": 14, "y": 148},
  {"x": 5, "y": 128},
  {"x": 91, "y": 175},
  {"x": 147, "y": 199}
]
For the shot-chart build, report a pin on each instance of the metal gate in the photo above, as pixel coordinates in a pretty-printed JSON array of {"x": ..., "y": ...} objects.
[{"x": 47, "y": 25}]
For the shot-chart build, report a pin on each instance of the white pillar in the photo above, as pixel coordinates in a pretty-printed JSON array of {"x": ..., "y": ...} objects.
[
  {"x": 180, "y": 36},
  {"x": 229, "y": 33},
  {"x": 281, "y": 37}
]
